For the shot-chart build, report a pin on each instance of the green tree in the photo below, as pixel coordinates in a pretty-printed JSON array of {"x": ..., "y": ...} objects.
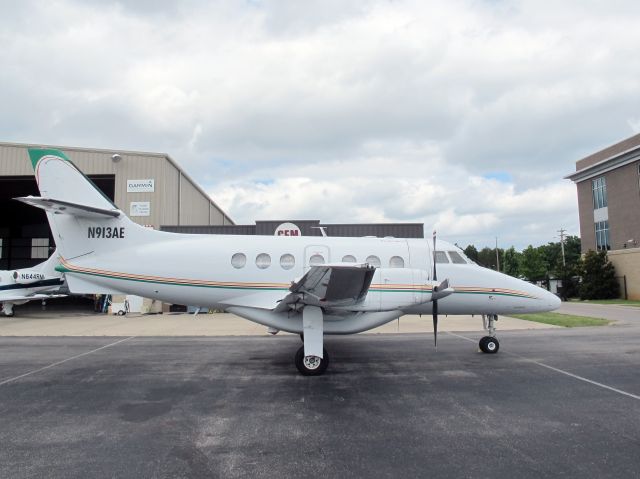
[
  {"x": 532, "y": 264},
  {"x": 472, "y": 252},
  {"x": 598, "y": 277},
  {"x": 512, "y": 262},
  {"x": 487, "y": 257}
]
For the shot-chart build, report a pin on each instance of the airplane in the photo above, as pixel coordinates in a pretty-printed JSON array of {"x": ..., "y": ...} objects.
[
  {"x": 310, "y": 286},
  {"x": 23, "y": 285}
]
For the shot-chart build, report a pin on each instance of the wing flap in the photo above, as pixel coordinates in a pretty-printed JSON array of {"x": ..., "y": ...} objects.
[{"x": 333, "y": 285}]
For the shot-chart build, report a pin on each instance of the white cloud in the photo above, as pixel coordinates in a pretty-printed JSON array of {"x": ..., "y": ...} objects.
[{"x": 352, "y": 111}]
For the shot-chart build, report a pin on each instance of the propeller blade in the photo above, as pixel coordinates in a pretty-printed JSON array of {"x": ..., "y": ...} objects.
[
  {"x": 435, "y": 324},
  {"x": 435, "y": 275},
  {"x": 435, "y": 301}
]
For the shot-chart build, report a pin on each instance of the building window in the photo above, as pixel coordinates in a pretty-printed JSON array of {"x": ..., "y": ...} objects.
[
  {"x": 599, "y": 187},
  {"x": 316, "y": 259},
  {"x": 373, "y": 261},
  {"x": 602, "y": 236},
  {"x": 40, "y": 247},
  {"x": 396, "y": 262},
  {"x": 263, "y": 261},
  {"x": 238, "y": 260},
  {"x": 287, "y": 261},
  {"x": 349, "y": 258}
]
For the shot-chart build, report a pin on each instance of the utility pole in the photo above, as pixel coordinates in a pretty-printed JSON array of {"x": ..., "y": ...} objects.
[
  {"x": 497, "y": 256},
  {"x": 562, "y": 231}
]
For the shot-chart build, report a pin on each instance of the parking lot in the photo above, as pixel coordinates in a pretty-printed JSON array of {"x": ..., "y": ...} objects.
[{"x": 553, "y": 402}]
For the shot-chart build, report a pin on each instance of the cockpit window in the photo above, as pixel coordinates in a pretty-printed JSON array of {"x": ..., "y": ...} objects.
[
  {"x": 441, "y": 257},
  {"x": 456, "y": 258}
]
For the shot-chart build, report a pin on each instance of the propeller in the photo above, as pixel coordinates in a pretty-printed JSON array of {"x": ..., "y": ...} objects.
[{"x": 435, "y": 289}]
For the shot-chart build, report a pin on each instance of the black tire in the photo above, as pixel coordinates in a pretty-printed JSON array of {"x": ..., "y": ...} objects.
[
  {"x": 121, "y": 313},
  {"x": 306, "y": 371},
  {"x": 489, "y": 345}
]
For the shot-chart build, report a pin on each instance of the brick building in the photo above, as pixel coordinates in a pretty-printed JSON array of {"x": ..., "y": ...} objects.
[{"x": 608, "y": 184}]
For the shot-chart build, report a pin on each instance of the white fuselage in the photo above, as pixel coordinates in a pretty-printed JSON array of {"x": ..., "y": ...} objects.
[{"x": 201, "y": 270}]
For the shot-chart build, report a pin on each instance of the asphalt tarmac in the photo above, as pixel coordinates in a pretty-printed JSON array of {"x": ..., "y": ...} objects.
[{"x": 551, "y": 403}]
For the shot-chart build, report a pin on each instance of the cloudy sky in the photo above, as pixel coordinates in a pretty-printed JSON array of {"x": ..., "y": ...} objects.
[{"x": 463, "y": 115}]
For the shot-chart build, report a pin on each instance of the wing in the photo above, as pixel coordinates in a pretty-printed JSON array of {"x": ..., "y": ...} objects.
[
  {"x": 29, "y": 298},
  {"x": 333, "y": 285},
  {"x": 339, "y": 284}
]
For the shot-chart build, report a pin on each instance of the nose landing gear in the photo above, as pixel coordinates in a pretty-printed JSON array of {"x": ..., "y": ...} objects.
[{"x": 489, "y": 344}]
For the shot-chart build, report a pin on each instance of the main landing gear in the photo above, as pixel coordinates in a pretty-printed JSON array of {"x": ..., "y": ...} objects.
[
  {"x": 489, "y": 344},
  {"x": 7, "y": 309},
  {"x": 311, "y": 365},
  {"x": 312, "y": 359}
]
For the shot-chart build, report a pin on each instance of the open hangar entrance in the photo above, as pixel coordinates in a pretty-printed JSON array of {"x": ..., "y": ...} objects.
[{"x": 25, "y": 236}]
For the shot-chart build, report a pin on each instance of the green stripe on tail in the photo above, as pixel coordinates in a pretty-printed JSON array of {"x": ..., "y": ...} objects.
[{"x": 36, "y": 154}]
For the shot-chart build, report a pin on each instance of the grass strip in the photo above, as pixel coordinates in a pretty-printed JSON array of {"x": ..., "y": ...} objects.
[
  {"x": 565, "y": 320},
  {"x": 621, "y": 302}
]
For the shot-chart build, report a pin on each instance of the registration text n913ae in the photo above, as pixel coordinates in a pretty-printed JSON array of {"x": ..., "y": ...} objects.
[{"x": 105, "y": 232}]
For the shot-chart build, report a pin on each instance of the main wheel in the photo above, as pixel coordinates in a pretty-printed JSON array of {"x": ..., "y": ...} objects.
[
  {"x": 311, "y": 365},
  {"x": 489, "y": 345}
]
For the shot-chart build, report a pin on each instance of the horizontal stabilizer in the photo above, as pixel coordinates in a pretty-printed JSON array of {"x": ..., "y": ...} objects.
[{"x": 65, "y": 207}]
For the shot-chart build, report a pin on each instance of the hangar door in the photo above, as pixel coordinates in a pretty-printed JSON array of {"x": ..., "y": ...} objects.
[{"x": 25, "y": 237}]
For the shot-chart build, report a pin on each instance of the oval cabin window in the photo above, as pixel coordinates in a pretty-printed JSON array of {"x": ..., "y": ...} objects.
[
  {"x": 396, "y": 262},
  {"x": 349, "y": 258},
  {"x": 238, "y": 260},
  {"x": 287, "y": 261},
  {"x": 263, "y": 261},
  {"x": 373, "y": 261},
  {"x": 316, "y": 259}
]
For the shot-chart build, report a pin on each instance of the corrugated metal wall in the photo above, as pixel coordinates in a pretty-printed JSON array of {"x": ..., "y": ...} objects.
[{"x": 173, "y": 201}]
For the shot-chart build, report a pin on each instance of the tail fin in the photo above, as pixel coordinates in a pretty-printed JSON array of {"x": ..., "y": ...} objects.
[{"x": 83, "y": 220}]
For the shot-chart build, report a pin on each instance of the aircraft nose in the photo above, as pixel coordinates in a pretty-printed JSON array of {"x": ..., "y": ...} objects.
[
  {"x": 545, "y": 300},
  {"x": 553, "y": 300}
]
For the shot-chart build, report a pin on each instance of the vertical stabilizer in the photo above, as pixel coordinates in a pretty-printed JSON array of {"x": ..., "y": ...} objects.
[{"x": 83, "y": 220}]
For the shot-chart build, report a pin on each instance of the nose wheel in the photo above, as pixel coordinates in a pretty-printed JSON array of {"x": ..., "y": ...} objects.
[{"x": 489, "y": 344}]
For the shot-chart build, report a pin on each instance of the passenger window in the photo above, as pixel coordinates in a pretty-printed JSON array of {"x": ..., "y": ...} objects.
[
  {"x": 373, "y": 261},
  {"x": 263, "y": 261},
  {"x": 238, "y": 260},
  {"x": 456, "y": 258},
  {"x": 441, "y": 257},
  {"x": 396, "y": 262},
  {"x": 348, "y": 259},
  {"x": 316, "y": 259},
  {"x": 287, "y": 261}
]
